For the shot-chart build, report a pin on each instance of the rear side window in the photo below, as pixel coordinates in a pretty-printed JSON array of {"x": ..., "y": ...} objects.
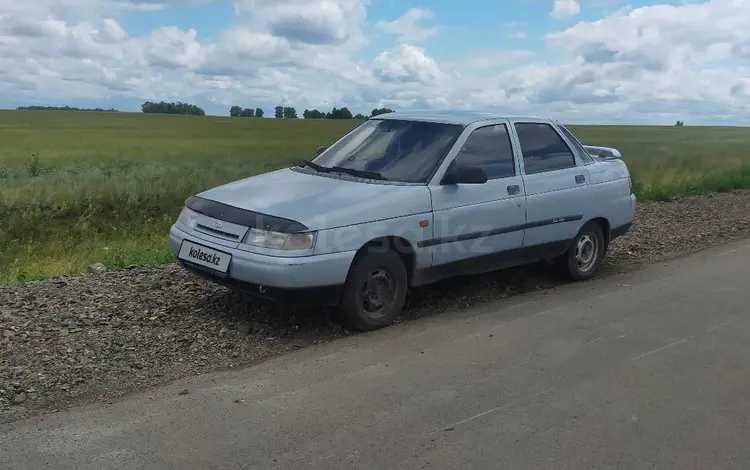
[
  {"x": 543, "y": 148},
  {"x": 489, "y": 149},
  {"x": 576, "y": 144}
]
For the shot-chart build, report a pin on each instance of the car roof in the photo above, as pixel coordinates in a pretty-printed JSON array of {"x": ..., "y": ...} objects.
[{"x": 456, "y": 116}]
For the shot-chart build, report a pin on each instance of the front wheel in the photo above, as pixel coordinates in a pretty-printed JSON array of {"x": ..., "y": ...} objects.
[
  {"x": 584, "y": 256},
  {"x": 375, "y": 290}
]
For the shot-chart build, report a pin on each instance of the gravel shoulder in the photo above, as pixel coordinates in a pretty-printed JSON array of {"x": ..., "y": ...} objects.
[{"x": 96, "y": 337}]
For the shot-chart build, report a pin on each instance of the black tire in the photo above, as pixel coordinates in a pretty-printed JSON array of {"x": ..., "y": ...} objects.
[
  {"x": 581, "y": 268},
  {"x": 384, "y": 269}
]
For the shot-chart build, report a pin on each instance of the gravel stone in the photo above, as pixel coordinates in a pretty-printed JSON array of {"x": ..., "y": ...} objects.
[
  {"x": 77, "y": 339},
  {"x": 96, "y": 268}
]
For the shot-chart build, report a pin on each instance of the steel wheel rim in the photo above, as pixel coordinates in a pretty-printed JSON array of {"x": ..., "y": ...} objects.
[
  {"x": 587, "y": 250},
  {"x": 377, "y": 293}
]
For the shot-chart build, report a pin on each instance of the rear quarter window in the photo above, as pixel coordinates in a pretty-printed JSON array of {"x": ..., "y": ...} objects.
[{"x": 576, "y": 145}]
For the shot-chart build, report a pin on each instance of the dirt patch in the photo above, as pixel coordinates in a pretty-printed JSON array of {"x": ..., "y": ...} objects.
[{"x": 94, "y": 337}]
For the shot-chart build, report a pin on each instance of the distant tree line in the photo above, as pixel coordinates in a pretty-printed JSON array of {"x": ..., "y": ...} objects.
[
  {"x": 239, "y": 111},
  {"x": 65, "y": 108},
  {"x": 378, "y": 111},
  {"x": 280, "y": 112},
  {"x": 341, "y": 113},
  {"x": 285, "y": 112},
  {"x": 172, "y": 108},
  {"x": 335, "y": 113},
  {"x": 289, "y": 112}
]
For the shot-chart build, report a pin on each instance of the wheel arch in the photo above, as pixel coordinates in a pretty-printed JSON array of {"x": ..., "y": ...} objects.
[
  {"x": 606, "y": 227},
  {"x": 403, "y": 247}
]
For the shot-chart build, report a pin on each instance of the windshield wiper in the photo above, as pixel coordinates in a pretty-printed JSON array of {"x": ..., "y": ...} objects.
[
  {"x": 361, "y": 173},
  {"x": 340, "y": 169},
  {"x": 314, "y": 166}
]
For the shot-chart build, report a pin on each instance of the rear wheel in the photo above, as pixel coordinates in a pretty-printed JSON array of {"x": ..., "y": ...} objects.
[
  {"x": 584, "y": 256},
  {"x": 375, "y": 290}
]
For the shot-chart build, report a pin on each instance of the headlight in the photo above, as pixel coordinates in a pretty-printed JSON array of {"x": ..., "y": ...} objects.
[
  {"x": 188, "y": 217},
  {"x": 279, "y": 241}
]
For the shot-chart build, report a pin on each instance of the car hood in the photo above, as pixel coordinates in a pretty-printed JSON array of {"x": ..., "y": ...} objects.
[{"x": 321, "y": 201}]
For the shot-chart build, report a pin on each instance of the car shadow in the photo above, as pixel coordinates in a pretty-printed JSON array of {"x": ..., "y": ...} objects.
[
  {"x": 472, "y": 290},
  {"x": 258, "y": 317},
  {"x": 250, "y": 316}
]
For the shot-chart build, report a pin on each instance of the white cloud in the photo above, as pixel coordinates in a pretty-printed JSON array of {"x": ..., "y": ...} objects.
[
  {"x": 565, "y": 8},
  {"x": 173, "y": 48},
  {"x": 485, "y": 59},
  {"x": 688, "y": 62},
  {"x": 72, "y": 10},
  {"x": 407, "y": 64},
  {"x": 407, "y": 27},
  {"x": 241, "y": 51},
  {"x": 683, "y": 59},
  {"x": 111, "y": 32},
  {"x": 320, "y": 22}
]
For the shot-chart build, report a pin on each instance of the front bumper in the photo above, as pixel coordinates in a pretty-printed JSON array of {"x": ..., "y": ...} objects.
[{"x": 269, "y": 276}]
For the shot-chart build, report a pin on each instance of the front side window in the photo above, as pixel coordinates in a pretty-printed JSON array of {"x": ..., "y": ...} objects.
[
  {"x": 575, "y": 143},
  {"x": 489, "y": 148},
  {"x": 543, "y": 148},
  {"x": 391, "y": 149}
]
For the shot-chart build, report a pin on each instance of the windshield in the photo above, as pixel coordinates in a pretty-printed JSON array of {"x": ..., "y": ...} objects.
[{"x": 390, "y": 149}]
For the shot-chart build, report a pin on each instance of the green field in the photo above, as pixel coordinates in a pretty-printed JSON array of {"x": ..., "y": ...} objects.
[{"x": 82, "y": 187}]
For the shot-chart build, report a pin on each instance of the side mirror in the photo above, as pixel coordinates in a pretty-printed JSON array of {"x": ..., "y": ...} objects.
[
  {"x": 321, "y": 149},
  {"x": 464, "y": 175}
]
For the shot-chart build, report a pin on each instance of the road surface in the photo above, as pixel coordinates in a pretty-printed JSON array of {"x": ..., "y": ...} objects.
[{"x": 645, "y": 370}]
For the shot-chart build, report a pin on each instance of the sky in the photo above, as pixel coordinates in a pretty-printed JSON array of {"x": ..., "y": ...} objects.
[{"x": 581, "y": 61}]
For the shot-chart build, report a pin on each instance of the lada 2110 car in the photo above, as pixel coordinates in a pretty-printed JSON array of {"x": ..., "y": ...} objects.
[{"x": 407, "y": 199}]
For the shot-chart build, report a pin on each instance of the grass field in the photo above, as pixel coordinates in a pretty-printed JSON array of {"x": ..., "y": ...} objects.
[{"x": 77, "y": 188}]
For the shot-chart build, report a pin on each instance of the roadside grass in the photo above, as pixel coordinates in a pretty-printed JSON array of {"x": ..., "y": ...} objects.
[{"x": 78, "y": 188}]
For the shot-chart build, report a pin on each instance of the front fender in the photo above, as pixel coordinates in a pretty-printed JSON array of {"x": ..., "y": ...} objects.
[{"x": 353, "y": 237}]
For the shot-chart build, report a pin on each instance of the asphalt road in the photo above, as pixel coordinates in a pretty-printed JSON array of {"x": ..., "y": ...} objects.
[{"x": 645, "y": 370}]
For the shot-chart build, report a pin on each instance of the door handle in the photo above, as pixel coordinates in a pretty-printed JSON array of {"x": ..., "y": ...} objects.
[
  {"x": 513, "y": 189},
  {"x": 580, "y": 179}
]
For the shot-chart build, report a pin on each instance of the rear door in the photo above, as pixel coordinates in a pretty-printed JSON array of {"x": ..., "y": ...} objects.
[
  {"x": 473, "y": 220},
  {"x": 557, "y": 184}
]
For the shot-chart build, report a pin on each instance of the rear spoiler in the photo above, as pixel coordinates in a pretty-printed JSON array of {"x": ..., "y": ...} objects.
[{"x": 605, "y": 152}]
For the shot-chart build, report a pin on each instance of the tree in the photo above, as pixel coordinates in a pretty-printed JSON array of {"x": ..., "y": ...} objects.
[
  {"x": 171, "y": 108},
  {"x": 290, "y": 113},
  {"x": 64, "y": 108},
  {"x": 379, "y": 111},
  {"x": 360, "y": 117},
  {"x": 237, "y": 111},
  {"x": 345, "y": 113},
  {"x": 278, "y": 112},
  {"x": 342, "y": 113},
  {"x": 313, "y": 114},
  {"x": 259, "y": 113},
  {"x": 679, "y": 124}
]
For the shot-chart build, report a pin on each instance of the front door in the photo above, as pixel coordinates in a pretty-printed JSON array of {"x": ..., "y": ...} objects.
[
  {"x": 557, "y": 185},
  {"x": 475, "y": 220}
]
